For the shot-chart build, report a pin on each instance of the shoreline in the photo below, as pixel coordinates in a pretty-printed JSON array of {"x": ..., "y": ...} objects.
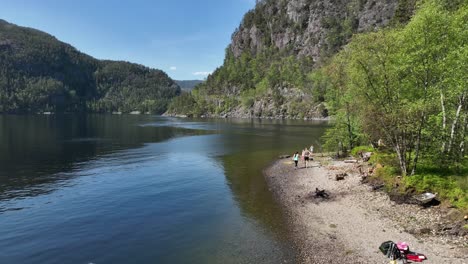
[
  {"x": 247, "y": 117},
  {"x": 350, "y": 225}
]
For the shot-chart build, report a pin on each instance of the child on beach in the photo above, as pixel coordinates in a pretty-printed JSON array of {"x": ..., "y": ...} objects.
[{"x": 296, "y": 159}]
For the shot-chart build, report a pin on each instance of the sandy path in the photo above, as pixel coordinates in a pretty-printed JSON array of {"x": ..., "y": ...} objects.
[{"x": 349, "y": 227}]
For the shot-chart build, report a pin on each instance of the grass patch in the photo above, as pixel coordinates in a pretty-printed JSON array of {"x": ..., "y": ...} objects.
[
  {"x": 385, "y": 159},
  {"x": 446, "y": 187},
  {"x": 386, "y": 174},
  {"x": 450, "y": 184}
]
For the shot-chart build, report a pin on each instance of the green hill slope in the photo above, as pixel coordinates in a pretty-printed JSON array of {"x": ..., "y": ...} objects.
[{"x": 40, "y": 73}]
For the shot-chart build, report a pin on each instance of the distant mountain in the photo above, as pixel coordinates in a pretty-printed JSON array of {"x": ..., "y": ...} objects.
[
  {"x": 40, "y": 73},
  {"x": 188, "y": 84}
]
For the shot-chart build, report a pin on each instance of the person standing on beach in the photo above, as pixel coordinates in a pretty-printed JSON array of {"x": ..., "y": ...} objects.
[
  {"x": 311, "y": 149},
  {"x": 296, "y": 159},
  {"x": 306, "y": 157}
]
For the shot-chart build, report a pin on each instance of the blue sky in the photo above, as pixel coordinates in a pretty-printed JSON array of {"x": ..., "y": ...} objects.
[{"x": 185, "y": 38}]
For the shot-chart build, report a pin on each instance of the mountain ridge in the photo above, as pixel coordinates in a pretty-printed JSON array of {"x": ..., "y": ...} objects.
[
  {"x": 41, "y": 73},
  {"x": 268, "y": 67}
]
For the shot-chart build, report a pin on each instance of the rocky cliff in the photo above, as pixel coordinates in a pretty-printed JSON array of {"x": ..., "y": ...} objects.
[
  {"x": 268, "y": 69},
  {"x": 309, "y": 27}
]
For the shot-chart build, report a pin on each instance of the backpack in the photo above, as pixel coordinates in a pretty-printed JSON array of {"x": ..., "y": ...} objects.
[{"x": 390, "y": 249}]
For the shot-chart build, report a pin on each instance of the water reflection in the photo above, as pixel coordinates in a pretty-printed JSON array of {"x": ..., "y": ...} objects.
[
  {"x": 142, "y": 189},
  {"x": 36, "y": 152},
  {"x": 256, "y": 144}
]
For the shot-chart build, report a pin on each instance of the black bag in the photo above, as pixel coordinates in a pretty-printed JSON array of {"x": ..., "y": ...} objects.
[
  {"x": 390, "y": 249},
  {"x": 385, "y": 247}
]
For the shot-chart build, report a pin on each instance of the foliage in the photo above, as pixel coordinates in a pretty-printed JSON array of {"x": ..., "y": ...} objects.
[
  {"x": 255, "y": 77},
  {"x": 133, "y": 87},
  {"x": 39, "y": 73},
  {"x": 185, "y": 103},
  {"x": 404, "y": 11},
  {"x": 406, "y": 86}
]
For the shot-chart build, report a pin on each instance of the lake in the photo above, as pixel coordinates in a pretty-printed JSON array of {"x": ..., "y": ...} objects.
[{"x": 143, "y": 189}]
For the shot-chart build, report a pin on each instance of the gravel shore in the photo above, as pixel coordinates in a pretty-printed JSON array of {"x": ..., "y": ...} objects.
[{"x": 350, "y": 225}]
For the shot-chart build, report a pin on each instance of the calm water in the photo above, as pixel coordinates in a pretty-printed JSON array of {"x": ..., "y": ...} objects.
[{"x": 142, "y": 189}]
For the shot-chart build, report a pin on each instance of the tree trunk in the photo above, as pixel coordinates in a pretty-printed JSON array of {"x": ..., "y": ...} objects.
[
  {"x": 455, "y": 121},
  {"x": 350, "y": 129},
  {"x": 462, "y": 143},
  {"x": 401, "y": 154},
  {"x": 418, "y": 144},
  {"x": 444, "y": 122}
]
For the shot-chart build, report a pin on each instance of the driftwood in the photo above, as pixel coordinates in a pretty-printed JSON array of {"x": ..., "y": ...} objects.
[
  {"x": 284, "y": 156},
  {"x": 321, "y": 193},
  {"x": 350, "y": 161},
  {"x": 340, "y": 176}
]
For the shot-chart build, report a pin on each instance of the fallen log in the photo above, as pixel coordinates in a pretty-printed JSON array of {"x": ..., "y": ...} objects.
[
  {"x": 350, "y": 161},
  {"x": 284, "y": 156}
]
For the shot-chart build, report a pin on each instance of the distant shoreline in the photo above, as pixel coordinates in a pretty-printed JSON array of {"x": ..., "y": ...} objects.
[
  {"x": 349, "y": 227},
  {"x": 163, "y": 115},
  {"x": 249, "y": 117}
]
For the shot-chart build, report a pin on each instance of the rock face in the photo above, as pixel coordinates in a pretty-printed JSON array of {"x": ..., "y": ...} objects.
[
  {"x": 280, "y": 42},
  {"x": 307, "y": 27}
]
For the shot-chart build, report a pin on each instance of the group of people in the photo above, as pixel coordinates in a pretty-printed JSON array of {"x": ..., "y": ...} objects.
[{"x": 306, "y": 156}]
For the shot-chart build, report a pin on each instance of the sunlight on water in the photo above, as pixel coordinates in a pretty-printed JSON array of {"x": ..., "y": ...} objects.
[{"x": 139, "y": 189}]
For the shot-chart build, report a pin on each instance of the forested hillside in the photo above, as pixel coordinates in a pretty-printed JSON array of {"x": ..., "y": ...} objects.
[
  {"x": 267, "y": 71},
  {"x": 39, "y": 73}
]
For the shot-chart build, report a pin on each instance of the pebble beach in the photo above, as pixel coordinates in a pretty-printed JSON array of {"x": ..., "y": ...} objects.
[{"x": 350, "y": 225}]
